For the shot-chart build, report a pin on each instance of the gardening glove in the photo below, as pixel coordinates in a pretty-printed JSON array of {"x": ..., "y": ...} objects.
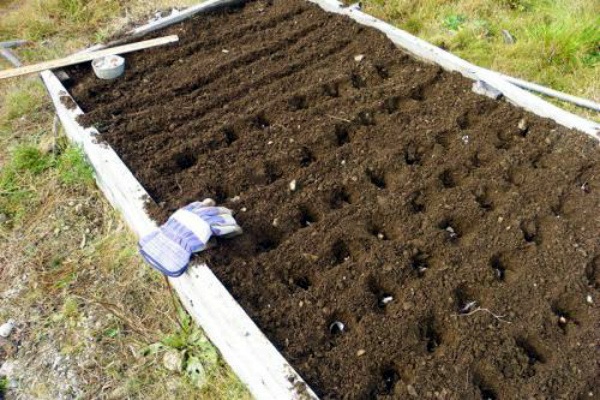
[{"x": 187, "y": 231}]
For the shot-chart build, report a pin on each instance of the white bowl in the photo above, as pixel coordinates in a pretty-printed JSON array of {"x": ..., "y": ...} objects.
[{"x": 109, "y": 67}]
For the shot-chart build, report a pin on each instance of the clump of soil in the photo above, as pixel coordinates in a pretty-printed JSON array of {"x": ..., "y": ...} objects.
[{"x": 436, "y": 243}]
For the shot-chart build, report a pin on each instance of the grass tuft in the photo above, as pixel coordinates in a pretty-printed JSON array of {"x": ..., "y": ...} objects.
[
  {"x": 28, "y": 158},
  {"x": 21, "y": 101},
  {"x": 73, "y": 168}
]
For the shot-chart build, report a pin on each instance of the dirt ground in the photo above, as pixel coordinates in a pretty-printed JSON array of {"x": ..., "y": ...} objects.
[{"x": 403, "y": 235}]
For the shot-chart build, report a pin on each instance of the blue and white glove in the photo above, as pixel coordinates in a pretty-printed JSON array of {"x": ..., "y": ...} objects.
[{"x": 169, "y": 248}]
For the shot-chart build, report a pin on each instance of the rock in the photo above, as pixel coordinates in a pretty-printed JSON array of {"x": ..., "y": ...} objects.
[
  {"x": 508, "y": 38},
  {"x": 360, "y": 353},
  {"x": 293, "y": 185},
  {"x": 196, "y": 372},
  {"x": 3, "y": 218},
  {"x": 173, "y": 361},
  {"x": 485, "y": 89},
  {"x": 47, "y": 145},
  {"x": 523, "y": 126},
  {"x": 7, "y": 328},
  {"x": 359, "y": 57},
  {"x": 7, "y": 369}
]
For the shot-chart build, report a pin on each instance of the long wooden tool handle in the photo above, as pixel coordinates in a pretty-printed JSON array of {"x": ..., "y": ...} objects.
[{"x": 83, "y": 57}]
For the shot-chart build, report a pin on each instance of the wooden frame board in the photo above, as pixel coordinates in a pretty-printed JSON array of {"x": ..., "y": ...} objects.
[{"x": 244, "y": 347}]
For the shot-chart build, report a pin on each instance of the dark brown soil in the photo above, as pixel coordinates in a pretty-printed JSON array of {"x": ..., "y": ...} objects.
[{"x": 460, "y": 252}]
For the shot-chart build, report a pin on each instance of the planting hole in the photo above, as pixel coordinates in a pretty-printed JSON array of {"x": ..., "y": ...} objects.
[
  {"x": 482, "y": 198},
  {"x": 529, "y": 229},
  {"x": 302, "y": 282},
  {"x": 534, "y": 356},
  {"x": 419, "y": 264},
  {"x": 429, "y": 334},
  {"x": 391, "y": 104},
  {"x": 447, "y": 179},
  {"x": 339, "y": 252},
  {"x": 272, "y": 172},
  {"x": 389, "y": 378},
  {"x": 342, "y": 136},
  {"x": 366, "y": 118},
  {"x": 485, "y": 390},
  {"x": 416, "y": 94},
  {"x": 219, "y": 194},
  {"x": 185, "y": 160},
  {"x": 376, "y": 178},
  {"x": 339, "y": 198},
  {"x": 230, "y": 135},
  {"x": 260, "y": 121},
  {"x": 382, "y": 71},
  {"x": 306, "y": 157},
  {"x": 307, "y": 217},
  {"x": 412, "y": 154},
  {"x": 563, "y": 317},
  {"x": 465, "y": 300},
  {"x": 331, "y": 90},
  {"x": 358, "y": 81},
  {"x": 267, "y": 239},
  {"x": 417, "y": 202},
  {"x": 383, "y": 296},
  {"x": 592, "y": 272},
  {"x": 463, "y": 121},
  {"x": 498, "y": 267},
  {"x": 298, "y": 102},
  {"x": 378, "y": 232},
  {"x": 337, "y": 328}
]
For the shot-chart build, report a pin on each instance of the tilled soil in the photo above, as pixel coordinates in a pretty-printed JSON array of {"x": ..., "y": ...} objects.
[{"x": 403, "y": 235}]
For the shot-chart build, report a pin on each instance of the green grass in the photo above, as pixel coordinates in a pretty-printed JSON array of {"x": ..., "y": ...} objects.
[{"x": 3, "y": 385}]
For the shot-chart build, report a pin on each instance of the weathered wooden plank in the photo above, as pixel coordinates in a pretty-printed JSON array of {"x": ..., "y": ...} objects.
[{"x": 84, "y": 57}]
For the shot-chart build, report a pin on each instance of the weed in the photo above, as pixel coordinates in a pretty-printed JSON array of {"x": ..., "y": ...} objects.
[
  {"x": 28, "y": 158},
  {"x": 454, "y": 22},
  {"x": 3, "y": 386}
]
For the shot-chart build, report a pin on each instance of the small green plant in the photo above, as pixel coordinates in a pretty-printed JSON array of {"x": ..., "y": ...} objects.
[
  {"x": 3, "y": 386},
  {"x": 28, "y": 158},
  {"x": 454, "y": 22},
  {"x": 200, "y": 358}
]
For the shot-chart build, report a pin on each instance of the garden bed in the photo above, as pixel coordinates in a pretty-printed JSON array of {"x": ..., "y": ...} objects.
[{"x": 455, "y": 237}]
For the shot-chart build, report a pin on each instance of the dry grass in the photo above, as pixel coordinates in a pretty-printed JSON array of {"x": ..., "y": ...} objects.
[{"x": 93, "y": 320}]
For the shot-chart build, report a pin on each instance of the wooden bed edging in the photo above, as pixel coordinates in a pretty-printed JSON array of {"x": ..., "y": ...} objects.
[{"x": 244, "y": 347}]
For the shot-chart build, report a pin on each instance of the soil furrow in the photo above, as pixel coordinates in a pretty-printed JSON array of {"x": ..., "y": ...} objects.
[{"x": 401, "y": 233}]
